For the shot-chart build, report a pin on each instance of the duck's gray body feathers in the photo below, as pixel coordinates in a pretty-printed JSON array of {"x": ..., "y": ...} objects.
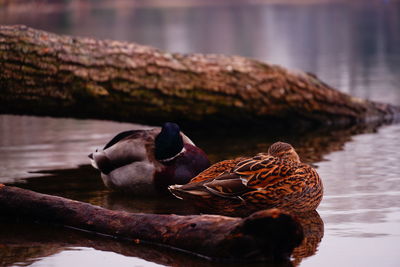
[{"x": 128, "y": 163}]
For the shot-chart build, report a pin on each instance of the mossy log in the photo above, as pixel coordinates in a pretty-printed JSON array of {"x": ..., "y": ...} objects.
[
  {"x": 48, "y": 74},
  {"x": 264, "y": 235}
]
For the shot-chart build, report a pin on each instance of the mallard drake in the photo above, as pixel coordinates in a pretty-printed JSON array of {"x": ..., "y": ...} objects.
[
  {"x": 145, "y": 162},
  {"x": 276, "y": 179}
]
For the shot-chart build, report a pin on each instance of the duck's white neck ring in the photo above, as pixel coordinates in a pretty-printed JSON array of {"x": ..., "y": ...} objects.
[{"x": 174, "y": 157}]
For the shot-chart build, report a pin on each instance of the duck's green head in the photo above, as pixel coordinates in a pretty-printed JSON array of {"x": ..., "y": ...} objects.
[
  {"x": 284, "y": 150},
  {"x": 168, "y": 142}
]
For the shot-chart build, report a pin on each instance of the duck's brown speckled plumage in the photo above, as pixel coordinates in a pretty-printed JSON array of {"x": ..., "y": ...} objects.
[
  {"x": 270, "y": 180},
  {"x": 217, "y": 169}
]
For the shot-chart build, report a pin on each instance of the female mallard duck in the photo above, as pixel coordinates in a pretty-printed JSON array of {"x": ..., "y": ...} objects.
[
  {"x": 241, "y": 186},
  {"x": 145, "y": 162}
]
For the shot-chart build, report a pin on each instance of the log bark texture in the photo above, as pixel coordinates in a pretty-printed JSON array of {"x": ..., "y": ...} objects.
[
  {"x": 264, "y": 235},
  {"x": 49, "y": 74}
]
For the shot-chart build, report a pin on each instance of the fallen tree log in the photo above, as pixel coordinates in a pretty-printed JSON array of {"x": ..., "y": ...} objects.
[
  {"x": 24, "y": 241},
  {"x": 49, "y": 74},
  {"x": 264, "y": 235}
]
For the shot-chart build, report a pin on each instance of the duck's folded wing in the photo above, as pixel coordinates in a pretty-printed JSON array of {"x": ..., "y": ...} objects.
[
  {"x": 196, "y": 189},
  {"x": 245, "y": 176},
  {"x": 121, "y": 136},
  {"x": 216, "y": 170},
  {"x": 120, "y": 154},
  {"x": 263, "y": 170},
  {"x": 227, "y": 185}
]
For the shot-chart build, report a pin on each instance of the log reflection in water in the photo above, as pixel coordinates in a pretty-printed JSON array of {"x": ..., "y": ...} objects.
[
  {"x": 27, "y": 243},
  {"x": 311, "y": 145}
]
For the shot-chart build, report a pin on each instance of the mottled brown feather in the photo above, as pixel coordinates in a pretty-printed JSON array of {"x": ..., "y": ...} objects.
[
  {"x": 216, "y": 170},
  {"x": 261, "y": 182}
]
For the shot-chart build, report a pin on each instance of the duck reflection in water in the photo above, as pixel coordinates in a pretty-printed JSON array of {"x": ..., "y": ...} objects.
[{"x": 313, "y": 229}]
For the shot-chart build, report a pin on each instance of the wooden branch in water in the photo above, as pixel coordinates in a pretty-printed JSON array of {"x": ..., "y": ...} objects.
[
  {"x": 49, "y": 74},
  {"x": 264, "y": 235}
]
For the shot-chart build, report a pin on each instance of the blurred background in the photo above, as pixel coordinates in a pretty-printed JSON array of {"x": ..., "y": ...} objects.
[{"x": 352, "y": 45}]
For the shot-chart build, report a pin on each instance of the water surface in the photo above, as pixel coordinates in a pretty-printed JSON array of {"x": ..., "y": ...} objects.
[
  {"x": 360, "y": 210},
  {"x": 352, "y": 46}
]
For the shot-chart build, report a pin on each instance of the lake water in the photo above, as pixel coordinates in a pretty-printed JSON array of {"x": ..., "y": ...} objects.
[{"x": 354, "y": 47}]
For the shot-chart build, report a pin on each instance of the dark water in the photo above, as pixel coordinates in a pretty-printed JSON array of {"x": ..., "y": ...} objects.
[{"x": 355, "y": 47}]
